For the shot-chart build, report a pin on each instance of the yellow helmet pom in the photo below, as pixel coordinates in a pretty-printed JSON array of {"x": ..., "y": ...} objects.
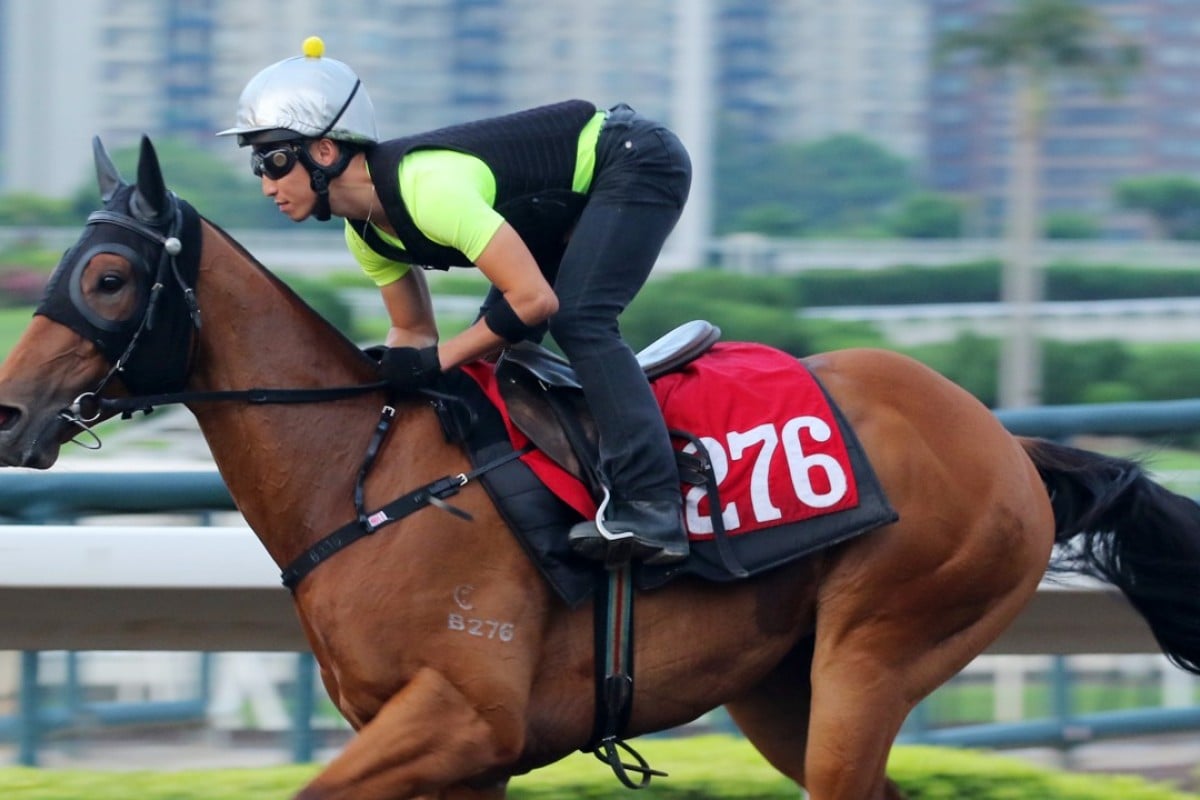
[{"x": 313, "y": 47}]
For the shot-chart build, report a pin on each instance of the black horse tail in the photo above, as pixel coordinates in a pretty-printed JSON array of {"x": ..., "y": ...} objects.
[{"x": 1114, "y": 523}]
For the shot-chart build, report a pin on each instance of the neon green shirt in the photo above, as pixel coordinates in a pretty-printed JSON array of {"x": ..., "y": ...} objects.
[{"x": 450, "y": 195}]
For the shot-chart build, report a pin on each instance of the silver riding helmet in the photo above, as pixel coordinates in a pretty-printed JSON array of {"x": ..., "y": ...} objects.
[{"x": 306, "y": 96}]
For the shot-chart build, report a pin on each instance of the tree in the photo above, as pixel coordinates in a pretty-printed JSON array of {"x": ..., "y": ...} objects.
[
  {"x": 1069, "y": 225},
  {"x": 929, "y": 215},
  {"x": 229, "y": 197},
  {"x": 1035, "y": 45},
  {"x": 831, "y": 185},
  {"x": 1172, "y": 201}
]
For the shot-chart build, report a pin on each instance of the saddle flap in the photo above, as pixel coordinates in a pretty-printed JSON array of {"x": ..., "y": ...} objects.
[
  {"x": 537, "y": 385},
  {"x": 537, "y": 415}
]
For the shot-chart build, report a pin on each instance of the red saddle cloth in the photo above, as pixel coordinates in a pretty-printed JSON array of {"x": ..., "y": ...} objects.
[{"x": 777, "y": 451}]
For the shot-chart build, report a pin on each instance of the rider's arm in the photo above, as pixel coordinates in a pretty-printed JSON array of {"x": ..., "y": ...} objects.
[
  {"x": 509, "y": 265},
  {"x": 410, "y": 310},
  {"x": 449, "y": 196},
  {"x": 405, "y": 294}
]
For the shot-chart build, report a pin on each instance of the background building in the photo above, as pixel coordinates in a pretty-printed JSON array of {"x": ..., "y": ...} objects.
[
  {"x": 50, "y": 83},
  {"x": 1092, "y": 140},
  {"x": 798, "y": 70},
  {"x": 787, "y": 68},
  {"x": 777, "y": 71}
]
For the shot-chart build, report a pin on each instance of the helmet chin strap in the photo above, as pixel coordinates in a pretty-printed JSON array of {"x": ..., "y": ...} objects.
[{"x": 319, "y": 176}]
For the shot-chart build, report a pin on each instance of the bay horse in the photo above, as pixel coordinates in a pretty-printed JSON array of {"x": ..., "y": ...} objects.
[{"x": 818, "y": 662}]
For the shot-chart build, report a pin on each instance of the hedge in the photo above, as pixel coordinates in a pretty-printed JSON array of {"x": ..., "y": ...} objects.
[{"x": 970, "y": 282}]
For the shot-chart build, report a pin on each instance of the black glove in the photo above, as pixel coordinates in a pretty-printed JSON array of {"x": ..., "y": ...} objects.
[{"x": 407, "y": 369}]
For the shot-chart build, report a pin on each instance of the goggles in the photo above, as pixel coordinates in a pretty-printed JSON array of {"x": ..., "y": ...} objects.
[{"x": 276, "y": 163}]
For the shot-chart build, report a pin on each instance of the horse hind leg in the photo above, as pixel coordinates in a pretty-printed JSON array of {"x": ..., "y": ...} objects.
[
  {"x": 773, "y": 715},
  {"x": 879, "y": 651},
  {"x": 497, "y": 791},
  {"x": 856, "y": 713}
]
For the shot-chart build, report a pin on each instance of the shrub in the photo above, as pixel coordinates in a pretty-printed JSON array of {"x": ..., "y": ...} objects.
[
  {"x": 325, "y": 301},
  {"x": 1068, "y": 225},
  {"x": 970, "y": 361},
  {"x": 928, "y": 215},
  {"x": 975, "y": 282},
  {"x": 1165, "y": 372}
]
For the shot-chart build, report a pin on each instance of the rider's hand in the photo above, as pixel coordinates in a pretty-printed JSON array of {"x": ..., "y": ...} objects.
[{"x": 407, "y": 369}]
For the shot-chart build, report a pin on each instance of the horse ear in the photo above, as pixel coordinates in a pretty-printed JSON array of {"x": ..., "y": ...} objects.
[
  {"x": 107, "y": 175},
  {"x": 150, "y": 199}
]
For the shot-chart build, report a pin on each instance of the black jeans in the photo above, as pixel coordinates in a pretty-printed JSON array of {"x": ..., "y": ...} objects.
[{"x": 639, "y": 188}]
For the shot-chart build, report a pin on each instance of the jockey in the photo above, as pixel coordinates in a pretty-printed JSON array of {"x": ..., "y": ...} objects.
[{"x": 564, "y": 208}]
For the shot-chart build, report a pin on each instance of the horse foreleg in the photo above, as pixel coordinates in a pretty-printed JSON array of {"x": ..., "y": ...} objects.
[{"x": 428, "y": 737}]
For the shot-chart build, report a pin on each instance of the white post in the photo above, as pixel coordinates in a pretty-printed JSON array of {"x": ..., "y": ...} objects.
[
  {"x": 1020, "y": 357},
  {"x": 1009, "y": 672},
  {"x": 692, "y": 118},
  {"x": 1179, "y": 687}
]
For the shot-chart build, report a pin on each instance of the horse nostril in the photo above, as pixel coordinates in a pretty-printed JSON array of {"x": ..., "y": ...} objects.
[{"x": 8, "y": 417}]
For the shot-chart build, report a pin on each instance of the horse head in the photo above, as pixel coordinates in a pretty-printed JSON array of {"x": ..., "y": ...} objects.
[{"x": 117, "y": 317}]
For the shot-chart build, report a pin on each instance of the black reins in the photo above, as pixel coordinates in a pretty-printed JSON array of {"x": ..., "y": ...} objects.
[{"x": 127, "y": 406}]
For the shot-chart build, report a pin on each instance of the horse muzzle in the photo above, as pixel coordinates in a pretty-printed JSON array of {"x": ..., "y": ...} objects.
[
  {"x": 9, "y": 416},
  {"x": 32, "y": 441}
]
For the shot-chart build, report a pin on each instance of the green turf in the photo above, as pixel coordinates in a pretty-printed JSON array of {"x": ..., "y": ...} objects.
[
  {"x": 708, "y": 767},
  {"x": 12, "y": 322}
]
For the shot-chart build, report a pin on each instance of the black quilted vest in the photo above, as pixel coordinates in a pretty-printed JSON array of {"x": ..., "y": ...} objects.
[{"x": 532, "y": 156}]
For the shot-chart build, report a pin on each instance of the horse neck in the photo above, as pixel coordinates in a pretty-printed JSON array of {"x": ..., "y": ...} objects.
[{"x": 290, "y": 468}]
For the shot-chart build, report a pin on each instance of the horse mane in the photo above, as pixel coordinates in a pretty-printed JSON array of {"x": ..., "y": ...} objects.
[{"x": 283, "y": 288}]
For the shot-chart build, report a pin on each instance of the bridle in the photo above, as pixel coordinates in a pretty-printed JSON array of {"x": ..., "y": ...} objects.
[
  {"x": 153, "y": 370},
  {"x": 170, "y": 247}
]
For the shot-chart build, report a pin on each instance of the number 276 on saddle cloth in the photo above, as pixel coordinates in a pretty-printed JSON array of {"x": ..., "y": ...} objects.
[{"x": 789, "y": 469}]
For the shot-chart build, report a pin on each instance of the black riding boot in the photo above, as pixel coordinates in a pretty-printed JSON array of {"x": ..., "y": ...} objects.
[{"x": 653, "y": 532}]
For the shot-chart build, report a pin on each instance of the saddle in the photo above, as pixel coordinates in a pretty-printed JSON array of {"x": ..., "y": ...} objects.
[{"x": 546, "y": 403}]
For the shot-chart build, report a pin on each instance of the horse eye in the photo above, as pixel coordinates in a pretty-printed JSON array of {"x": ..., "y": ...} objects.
[{"x": 111, "y": 282}]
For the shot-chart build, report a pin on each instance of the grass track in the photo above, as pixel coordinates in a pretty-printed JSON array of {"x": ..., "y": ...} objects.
[{"x": 708, "y": 767}]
